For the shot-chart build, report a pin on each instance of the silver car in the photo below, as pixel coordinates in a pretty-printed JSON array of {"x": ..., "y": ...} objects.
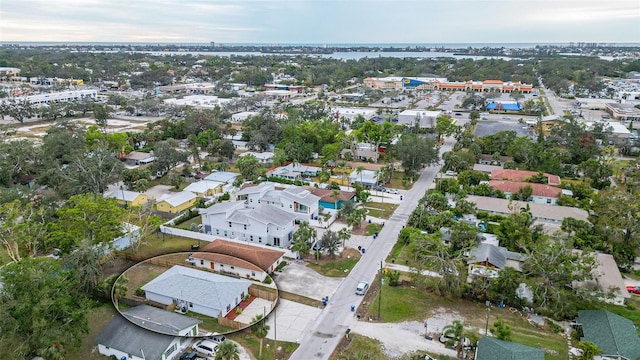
[{"x": 362, "y": 288}]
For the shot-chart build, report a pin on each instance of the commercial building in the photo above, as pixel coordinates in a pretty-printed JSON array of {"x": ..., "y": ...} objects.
[
  {"x": 433, "y": 83},
  {"x": 623, "y": 112},
  {"x": 198, "y": 101},
  {"x": 421, "y": 118},
  {"x": 351, "y": 113},
  {"x": 58, "y": 97}
]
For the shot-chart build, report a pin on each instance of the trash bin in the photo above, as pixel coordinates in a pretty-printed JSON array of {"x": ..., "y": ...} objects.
[
  {"x": 374, "y": 236},
  {"x": 369, "y": 221},
  {"x": 359, "y": 247},
  {"x": 401, "y": 197},
  {"x": 353, "y": 308},
  {"x": 363, "y": 250}
]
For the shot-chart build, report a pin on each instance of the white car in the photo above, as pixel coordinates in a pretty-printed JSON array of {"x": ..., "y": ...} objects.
[
  {"x": 451, "y": 173},
  {"x": 206, "y": 347},
  {"x": 393, "y": 191},
  {"x": 362, "y": 288}
]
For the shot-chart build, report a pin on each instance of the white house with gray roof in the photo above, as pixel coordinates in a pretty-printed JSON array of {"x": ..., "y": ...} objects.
[
  {"x": 295, "y": 171},
  {"x": 486, "y": 259},
  {"x": 294, "y": 199},
  {"x": 125, "y": 340},
  {"x": 162, "y": 321},
  {"x": 261, "y": 223},
  {"x": 202, "y": 292}
]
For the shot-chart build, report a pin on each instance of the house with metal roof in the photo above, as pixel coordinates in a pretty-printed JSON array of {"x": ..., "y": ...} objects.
[
  {"x": 205, "y": 188},
  {"x": 260, "y": 224},
  {"x": 493, "y": 349},
  {"x": 127, "y": 198},
  {"x": 222, "y": 176},
  {"x": 177, "y": 202},
  {"x": 615, "y": 335},
  {"x": 367, "y": 178},
  {"x": 139, "y": 158},
  {"x": 125, "y": 340},
  {"x": 295, "y": 171},
  {"x": 199, "y": 291},
  {"x": 293, "y": 199},
  {"x": 486, "y": 259}
]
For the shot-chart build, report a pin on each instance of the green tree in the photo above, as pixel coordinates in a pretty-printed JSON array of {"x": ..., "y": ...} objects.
[
  {"x": 356, "y": 217},
  {"x": 414, "y": 152},
  {"x": 455, "y": 333},
  {"x": 303, "y": 237},
  {"x": 167, "y": 156},
  {"x": 445, "y": 126},
  {"x": 227, "y": 351},
  {"x": 344, "y": 234},
  {"x": 93, "y": 172},
  {"x": 249, "y": 166},
  {"x": 501, "y": 330},
  {"x": 330, "y": 242},
  {"x": 260, "y": 329},
  {"x": 43, "y": 312},
  {"x": 85, "y": 261},
  {"x": 589, "y": 350},
  {"x": 23, "y": 229}
]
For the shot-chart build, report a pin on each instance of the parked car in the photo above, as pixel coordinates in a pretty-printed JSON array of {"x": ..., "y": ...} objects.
[
  {"x": 217, "y": 338},
  {"x": 189, "y": 356},
  {"x": 362, "y": 288},
  {"x": 393, "y": 191},
  {"x": 458, "y": 114},
  {"x": 633, "y": 289},
  {"x": 465, "y": 342},
  {"x": 451, "y": 173},
  {"x": 317, "y": 246},
  {"x": 379, "y": 188},
  {"x": 206, "y": 347}
]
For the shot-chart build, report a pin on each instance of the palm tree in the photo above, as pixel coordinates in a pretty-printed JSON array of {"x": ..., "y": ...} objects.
[
  {"x": 335, "y": 195},
  {"x": 454, "y": 332},
  {"x": 228, "y": 351},
  {"x": 344, "y": 234},
  {"x": 260, "y": 329},
  {"x": 359, "y": 170}
]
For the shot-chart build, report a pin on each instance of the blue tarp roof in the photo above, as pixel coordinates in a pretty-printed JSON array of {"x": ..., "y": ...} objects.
[{"x": 508, "y": 107}]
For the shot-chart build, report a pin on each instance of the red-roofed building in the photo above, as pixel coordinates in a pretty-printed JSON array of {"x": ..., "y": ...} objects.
[
  {"x": 265, "y": 259},
  {"x": 542, "y": 194},
  {"x": 522, "y": 176},
  {"x": 226, "y": 264}
]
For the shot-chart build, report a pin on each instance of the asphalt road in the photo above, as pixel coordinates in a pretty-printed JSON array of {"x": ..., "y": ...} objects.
[{"x": 321, "y": 337}]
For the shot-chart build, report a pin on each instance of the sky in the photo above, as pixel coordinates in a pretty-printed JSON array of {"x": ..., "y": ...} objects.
[{"x": 320, "y": 21}]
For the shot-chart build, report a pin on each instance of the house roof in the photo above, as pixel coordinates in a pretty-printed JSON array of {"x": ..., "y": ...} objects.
[
  {"x": 203, "y": 186},
  {"x": 178, "y": 198},
  {"x": 538, "y": 189},
  {"x": 264, "y": 156},
  {"x": 255, "y": 189},
  {"x": 300, "y": 195},
  {"x": 612, "y": 333},
  {"x": 227, "y": 260},
  {"x": 488, "y": 157},
  {"x": 268, "y": 214},
  {"x": 486, "y": 168},
  {"x": 495, "y": 255},
  {"x": 123, "y": 335},
  {"x": 223, "y": 207},
  {"x": 137, "y": 155},
  {"x": 260, "y": 256},
  {"x": 123, "y": 195},
  {"x": 158, "y": 320},
  {"x": 493, "y": 349},
  {"x": 198, "y": 287},
  {"x": 522, "y": 176},
  {"x": 295, "y": 168},
  {"x": 326, "y": 195},
  {"x": 606, "y": 275},
  {"x": 539, "y": 211},
  {"x": 222, "y": 176},
  {"x": 367, "y": 176}
]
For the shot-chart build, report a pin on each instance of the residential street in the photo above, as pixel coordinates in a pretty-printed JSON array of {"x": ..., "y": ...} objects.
[{"x": 321, "y": 337}]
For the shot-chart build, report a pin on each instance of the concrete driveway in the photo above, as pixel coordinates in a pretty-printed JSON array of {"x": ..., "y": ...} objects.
[
  {"x": 299, "y": 279},
  {"x": 156, "y": 192},
  {"x": 258, "y": 306},
  {"x": 289, "y": 320}
]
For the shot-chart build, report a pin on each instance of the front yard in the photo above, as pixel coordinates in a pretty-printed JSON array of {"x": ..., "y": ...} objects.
[
  {"x": 338, "y": 267},
  {"x": 380, "y": 210}
]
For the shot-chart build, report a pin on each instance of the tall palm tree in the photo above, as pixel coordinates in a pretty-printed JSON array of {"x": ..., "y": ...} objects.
[
  {"x": 359, "y": 170},
  {"x": 344, "y": 234},
  {"x": 260, "y": 329},
  {"x": 228, "y": 351}
]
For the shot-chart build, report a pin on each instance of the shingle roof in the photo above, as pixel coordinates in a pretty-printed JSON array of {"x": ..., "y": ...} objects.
[
  {"x": 327, "y": 195},
  {"x": 226, "y": 259},
  {"x": 541, "y": 211},
  {"x": 197, "y": 286},
  {"x": 538, "y": 189},
  {"x": 262, "y": 257},
  {"x": 158, "y": 320},
  {"x": 137, "y": 155},
  {"x": 223, "y": 207},
  {"x": 495, "y": 255},
  {"x": 123, "y": 335},
  {"x": 493, "y": 349},
  {"x": 265, "y": 186},
  {"x": 521, "y": 176},
  {"x": 612, "y": 333},
  {"x": 178, "y": 198}
]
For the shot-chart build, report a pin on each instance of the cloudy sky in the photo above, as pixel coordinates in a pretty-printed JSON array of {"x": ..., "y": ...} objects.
[{"x": 321, "y": 21}]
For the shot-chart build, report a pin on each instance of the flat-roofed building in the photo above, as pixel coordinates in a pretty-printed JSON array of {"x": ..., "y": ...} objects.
[{"x": 421, "y": 118}]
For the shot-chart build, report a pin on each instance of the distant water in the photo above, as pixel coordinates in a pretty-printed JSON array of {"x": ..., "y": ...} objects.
[{"x": 398, "y": 45}]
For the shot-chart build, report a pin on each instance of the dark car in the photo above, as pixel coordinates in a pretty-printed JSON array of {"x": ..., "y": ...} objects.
[{"x": 189, "y": 356}]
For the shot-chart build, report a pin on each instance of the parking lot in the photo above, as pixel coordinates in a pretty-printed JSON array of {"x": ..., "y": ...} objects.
[{"x": 490, "y": 127}]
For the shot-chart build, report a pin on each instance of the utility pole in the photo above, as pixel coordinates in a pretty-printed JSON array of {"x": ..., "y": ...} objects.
[
  {"x": 486, "y": 327},
  {"x": 380, "y": 292}
]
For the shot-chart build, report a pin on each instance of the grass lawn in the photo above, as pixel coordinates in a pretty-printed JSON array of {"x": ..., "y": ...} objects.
[
  {"x": 398, "y": 182},
  {"x": 406, "y": 303},
  {"x": 338, "y": 267},
  {"x": 187, "y": 224},
  {"x": 98, "y": 318},
  {"x": 160, "y": 244},
  {"x": 375, "y": 209},
  {"x": 360, "y": 347},
  {"x": 372, "y": 229},
  {"x": 252, "y": 345},
  {"x": 209, "y": 323}
]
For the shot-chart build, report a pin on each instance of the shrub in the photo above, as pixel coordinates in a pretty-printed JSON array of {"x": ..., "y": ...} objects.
[
  {"x": 246, "y": 297},
  {"x": 225, "y": 196},
  {"x": 139, "y": 291},
  {"x": 238, "y": 310},
  {"x": 555, "y": 327},
  {"x": 281, "y": 266},
  {"x": 268, "y": 280}
]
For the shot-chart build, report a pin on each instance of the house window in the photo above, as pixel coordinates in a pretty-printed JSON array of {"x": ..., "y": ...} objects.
[
  {"x": 201, "y": 262},
  {"x": 267, "y": 229},
  {"x": 225, "y": 233},
  {"x": 170, "y": 351},
  {"x": 258, "y": 201},
  {"x": 190, "y": 304},
  {"x": 229, "y": 223},
  {"x": 290, "y": 206},
  {"x": 548, "y": 201},
  {"x": 242, "y": 294},
  {"x": 221, "y": 265},
  {"x": 217, "y": 231},
  {"x": 259, "y": 238},
  {"x": 276, "y": 241},
  {"x": 232, "y": 268},
  {"x": 253, "y": 273},
  {"x": 251, "y": 237},
  {"x": 250, "y": 200},
  {"x": 228, "y": 307},
  {"x": 245, "y": 226}
]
